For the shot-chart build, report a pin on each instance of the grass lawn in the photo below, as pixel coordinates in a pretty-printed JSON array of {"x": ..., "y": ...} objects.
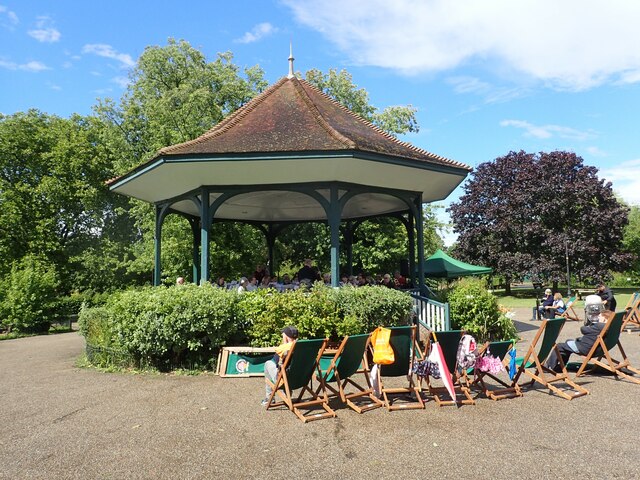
[{"x": 526, "y": 297}]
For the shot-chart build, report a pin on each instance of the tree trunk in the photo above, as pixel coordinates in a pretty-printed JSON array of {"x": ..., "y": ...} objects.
[
  {"x": 555, "y": 286},
  {"x": 507, "y": 285}
]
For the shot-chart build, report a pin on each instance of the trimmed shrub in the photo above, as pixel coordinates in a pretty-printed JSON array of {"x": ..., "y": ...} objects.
[
  {"x": 370, "y": 307},
  {"x": 475, "y": 310},
  {"x": 29, "y": 302},
  {"x": 186, "y": 325},
  {"x": 311, "y": 311},
  {"x": 164, "y": 327}
]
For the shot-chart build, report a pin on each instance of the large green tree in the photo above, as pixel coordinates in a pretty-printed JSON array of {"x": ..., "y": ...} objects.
[
  {"x": 522, "y": 213},
  {"x": 175, "y": 94},
  {"x": 52, "y": 190}
]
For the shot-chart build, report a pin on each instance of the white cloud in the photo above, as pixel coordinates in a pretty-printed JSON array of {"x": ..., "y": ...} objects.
[
  {"x": 489, "y": 93},
  {"x": 107, "y": 51},
  {"x": 625, "y": 178},
  {"x": 32, "y": 66},
  {"x": 257, "y": 33},
  {"x": 44, "y": 31},
  {"x": 122, "y": 82},
  {"x": 569, "y": 44},
  {"x": 8, "y": 18},
  {"x": 596, "y": 152},
  {"x": 548, "y": 131}
]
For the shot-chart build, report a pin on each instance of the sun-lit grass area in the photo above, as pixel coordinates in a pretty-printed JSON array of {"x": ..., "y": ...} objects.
[{"x": 526, "y": 297}]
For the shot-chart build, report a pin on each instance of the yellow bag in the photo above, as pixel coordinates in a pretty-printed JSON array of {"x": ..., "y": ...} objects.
[{"x": 382, "y": 351}]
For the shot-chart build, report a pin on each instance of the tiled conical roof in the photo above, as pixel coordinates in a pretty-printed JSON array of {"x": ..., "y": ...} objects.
[{"x": 294, "y": 116}]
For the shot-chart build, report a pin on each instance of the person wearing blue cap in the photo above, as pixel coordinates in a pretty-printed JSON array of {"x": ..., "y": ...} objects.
[{"x": 289, "y": 336}]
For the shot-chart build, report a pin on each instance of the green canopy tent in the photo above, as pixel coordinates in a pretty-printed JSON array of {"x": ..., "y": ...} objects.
[{"x": 441, "y": 265}]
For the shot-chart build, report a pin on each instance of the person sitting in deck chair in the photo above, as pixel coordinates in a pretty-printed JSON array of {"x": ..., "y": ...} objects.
[
  {"x": 546, "y": 301},
  {"x": 556, "y": 308},
  {"x": 289, "y": 336},
  {"x": 581, "y": 345}
]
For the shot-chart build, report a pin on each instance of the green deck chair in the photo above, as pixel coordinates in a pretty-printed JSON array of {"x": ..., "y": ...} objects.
[
  {"x": 632, "y": 312},
  {"x": 600, "y": 353},
  {"x": 532, "y": 364},
  {"x": 403, "y": 343},
  {"x": 569, "y": 312},
  {"x": 296, "y": 373},
  {"x": 498, "y": 349},
  {"x": 449, "y": 341},
  {"x": 341, "y": 368}
]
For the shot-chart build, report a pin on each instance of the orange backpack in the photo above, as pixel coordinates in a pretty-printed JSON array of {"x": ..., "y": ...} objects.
[{"x": 382, "y": 351}]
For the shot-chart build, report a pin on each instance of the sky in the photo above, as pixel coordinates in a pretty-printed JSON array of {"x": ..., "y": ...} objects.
[{"x": 486, "y": 77}]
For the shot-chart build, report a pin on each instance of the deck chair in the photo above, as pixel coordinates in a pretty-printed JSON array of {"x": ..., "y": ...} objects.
[
  {"x": 498, "y": 349},
  {"x": 600, "y": 353},
  {"x": 532, "y": 364},
  {"x": 632, "y": 312},
  {"x": 403, "y": 343},
  {"x": 569, "y": 312},
  {"x": 341, "y": 368},
  {"x": 296, "y": 373},
  {"x": 449, "y": 341}
]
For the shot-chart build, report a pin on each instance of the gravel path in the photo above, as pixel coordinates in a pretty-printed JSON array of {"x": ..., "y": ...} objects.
[{"x": 59, "y": 421}]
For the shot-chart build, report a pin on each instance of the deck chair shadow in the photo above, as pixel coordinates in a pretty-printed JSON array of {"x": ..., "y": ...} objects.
[
  {"x": 297, "y": 372},
  {"x": 632, "y": 312},
  {"x": 569, "y": 312},
  {"x": 403, "y": 343},
  {"x": 340, "y": 370},
  {"x": 498, "y": 349},
  {"x": 449, "y": 340},
  {"x": 600, "y": 353},
  {"x": 532, "y": 364}
]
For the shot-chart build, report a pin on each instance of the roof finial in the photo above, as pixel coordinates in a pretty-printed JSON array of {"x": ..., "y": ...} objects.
[{"x": 291, "y": 75}]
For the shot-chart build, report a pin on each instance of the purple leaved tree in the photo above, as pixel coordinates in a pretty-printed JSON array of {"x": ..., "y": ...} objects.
[{"x": 522, "y": 213}]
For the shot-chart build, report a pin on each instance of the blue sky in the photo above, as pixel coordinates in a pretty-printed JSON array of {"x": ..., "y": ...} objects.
[{"x": 486, "y": 76}]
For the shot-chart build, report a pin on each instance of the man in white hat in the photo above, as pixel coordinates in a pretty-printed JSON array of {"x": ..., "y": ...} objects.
[{"x": 547, "y": 301}]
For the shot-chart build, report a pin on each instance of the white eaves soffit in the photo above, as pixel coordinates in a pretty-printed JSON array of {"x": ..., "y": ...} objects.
[{"x": 163, "y": 180}]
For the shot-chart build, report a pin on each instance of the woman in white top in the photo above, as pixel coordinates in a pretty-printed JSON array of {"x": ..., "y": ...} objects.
[
  {"x": 243, "y": 285},
  {"x": 558, "y": 304}
]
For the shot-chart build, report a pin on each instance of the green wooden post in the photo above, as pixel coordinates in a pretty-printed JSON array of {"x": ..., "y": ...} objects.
[
  {"x": 334, "y": 225},
  {"x": 412, "y": 248},
  {"x": 205, "y": 225},
  {"x": 195, "y": 252},
  {"x": 157, "y": 247},
  {"x": 420, "y": 235}
]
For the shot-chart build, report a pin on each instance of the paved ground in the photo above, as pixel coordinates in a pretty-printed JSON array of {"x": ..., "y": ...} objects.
[{"x": 58, "y": 421}]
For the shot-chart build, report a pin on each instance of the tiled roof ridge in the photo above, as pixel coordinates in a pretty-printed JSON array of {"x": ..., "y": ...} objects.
[
  {"x": 387, "y": 135},
  {"x": 317, "y": 115},
  {"x": 228, "y": 122}
]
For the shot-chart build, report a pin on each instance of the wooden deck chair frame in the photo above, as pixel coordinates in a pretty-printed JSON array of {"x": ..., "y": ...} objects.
[
  {"x": 569, "y": 312},
  {"x": 632, "y": 312},
  {"x": 461, "y": 383},
  {"x": 348, "y": 361},
  {"x": 300, "y": 366},
  {"x": 600, "y": 353},
  {"x": 500, "y": 350},
  {"x": 404, "y": 344},
  {"x": 532, "y": 364}
]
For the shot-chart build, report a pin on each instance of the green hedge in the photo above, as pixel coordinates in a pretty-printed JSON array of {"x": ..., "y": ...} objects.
[
  {"x": 28, "y": 300},
  {"x": 186, "y": 325},
  {"x": 474, "y": 309}
]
